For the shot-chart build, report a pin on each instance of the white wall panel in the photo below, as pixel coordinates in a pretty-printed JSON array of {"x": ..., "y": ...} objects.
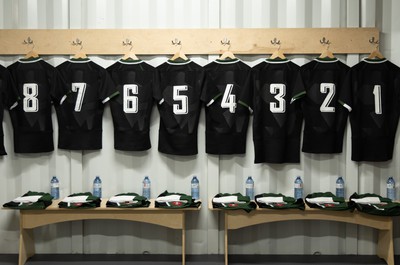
[{"x": 124, "y": 171}]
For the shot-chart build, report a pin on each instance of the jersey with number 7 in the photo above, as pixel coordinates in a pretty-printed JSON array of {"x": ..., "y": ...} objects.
[{"x": 372, "y": 94}]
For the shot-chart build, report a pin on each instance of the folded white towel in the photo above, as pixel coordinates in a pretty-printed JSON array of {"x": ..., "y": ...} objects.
[
  {"x": 76, "y": 199},
  {"x": 268, "y": 200},
  {"x": 226, "y": 199},
  {"x": 318, "y": 200},
  {"x": 169, "y": 198},
  {"x": 122, "y": 198},
  {"x": 367, "y": 200},
  {"x": 27, "y": 199}
]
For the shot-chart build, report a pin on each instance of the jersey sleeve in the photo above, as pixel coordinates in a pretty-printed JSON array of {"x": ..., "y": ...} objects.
[
  {"x": 299, "y": 89},
  {"x": 59, "y": 89},
  {"x": 9, "y": 90}
]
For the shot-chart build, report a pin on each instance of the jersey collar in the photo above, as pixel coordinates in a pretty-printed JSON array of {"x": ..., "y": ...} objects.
[
  {"x": 227, "y": 61},
  {"x": 30, "y": 60},
  {"x": 79, "y": 60},
  {"x": 277, "y": 60},
  {"x": 179, "y": 61},
  {"x": 326, "y": 60},
  {"x": 374, "y": 60},
  {"x": 130, "y": 61}
]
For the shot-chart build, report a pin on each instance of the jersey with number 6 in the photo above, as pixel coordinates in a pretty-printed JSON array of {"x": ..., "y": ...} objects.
[
  {"x": 325, "y": 119},
  {"x": 8, "y": 97},
  {"x": 277, "y": 120},
  {"x": 80, "y": 116},
  {"x": 372, "y": 94},
  {"x": 131, "y": 109},
  {"x": 228, "y": 98},
  {"x": 178, "y": 95},
  {"x": 37, "y": 85}
]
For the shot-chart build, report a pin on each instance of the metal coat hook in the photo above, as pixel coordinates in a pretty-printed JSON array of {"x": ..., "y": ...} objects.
[
  {"x": 176, "y": 42},
  {"x": 226, "y": 41},
  {"x": 373, "y": 41},
  {"x": 127, "y": 42},
  {"x": 275, "y": 41},
  {"x": 324, "y": 41},
  {"x": 77, "y": 42},
  {"x": 28, "y": 41}
]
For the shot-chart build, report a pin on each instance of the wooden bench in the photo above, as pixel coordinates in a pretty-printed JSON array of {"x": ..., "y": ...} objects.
[
  {"x": 236, "y": 219},
  {"x": 30, "y": 219}
]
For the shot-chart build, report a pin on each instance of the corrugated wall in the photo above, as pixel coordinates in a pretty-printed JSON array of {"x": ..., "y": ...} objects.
[{"x": 123, "y": 171}]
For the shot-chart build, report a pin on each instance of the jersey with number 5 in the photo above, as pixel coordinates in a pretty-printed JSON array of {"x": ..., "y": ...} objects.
[
  {"x": 325, "y": 119},
  {"x": 228, "y": 98},
  {"x": 178, "y": 97},
  {"x": 372, "y": 94},
  {"x": 131, "y": 109},
  {"x": 277, "y": 120},
  {"x": 80, "y": 116},
  {"x": 38, "y": 86}
]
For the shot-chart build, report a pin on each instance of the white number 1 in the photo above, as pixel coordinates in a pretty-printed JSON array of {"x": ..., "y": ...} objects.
[{"x": 378, "y": 99}]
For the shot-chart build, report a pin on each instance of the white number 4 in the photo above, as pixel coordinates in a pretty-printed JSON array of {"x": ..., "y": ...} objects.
[{"x": 229, "y": 99}]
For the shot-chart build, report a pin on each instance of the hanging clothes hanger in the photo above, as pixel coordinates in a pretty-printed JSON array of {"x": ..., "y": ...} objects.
[
  {"x": 227, "y": 55},
  {"x": 326, "y": 53},
  {"x": 375, "y": 54},
  {"x": 32, "y": 53},
  {"x": 277, "y": 54},
  {"x": 130, "y": 55},
  {"x": 80, "y": 54},
  {"x": 179, "y": 54}
]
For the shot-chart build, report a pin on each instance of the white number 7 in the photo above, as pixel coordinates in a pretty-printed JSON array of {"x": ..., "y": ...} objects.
[{"x": 80, "y": 88}]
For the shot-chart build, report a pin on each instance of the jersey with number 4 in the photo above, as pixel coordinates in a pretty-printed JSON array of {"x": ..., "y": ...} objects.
[
  {"x": 131, "y": 109},
  {"x": 37, "y": 85},
  {"x": 372, "y": 94},
  {"x": 80, "y": 116},
  {"x": 325, "y": 119},
  {"x": 228, "y": 98},
  {"x": 277, "y": 119},
  {"x": 178, "y": 95}
]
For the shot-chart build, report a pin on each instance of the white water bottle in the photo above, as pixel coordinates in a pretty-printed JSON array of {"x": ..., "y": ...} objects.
[
  {"x": 391, "y": 189},
  {"x": 146, "y": 187},
  {"x": 55, "y": 188},
  {"x": 195, "y": 189},
  {"x": 97, "y": 187},
  {"x": 250, "y": 187},
  {"x": 298, "y": 188}
]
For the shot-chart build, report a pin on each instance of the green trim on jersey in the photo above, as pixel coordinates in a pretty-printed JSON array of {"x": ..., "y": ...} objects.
[
  {"x": 277, "y": 60},
  {"x": 299, "y": 95},
  {"x": 244, "y": 104}
]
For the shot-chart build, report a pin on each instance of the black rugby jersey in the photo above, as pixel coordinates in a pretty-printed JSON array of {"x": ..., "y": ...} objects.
[
  {"x": 80, "y": 115},
  {"x": 228, "y": 98},
  {"x": 277, "y": 116},
  {"x": 131, "y": 109},
  {"x": 325, "y": 119},
  {"x": 38, "y": 85},
  {"x": 372, "y": 94},
  {"x": 8, "y": 97},
  {"x": 178, "y": 96}
]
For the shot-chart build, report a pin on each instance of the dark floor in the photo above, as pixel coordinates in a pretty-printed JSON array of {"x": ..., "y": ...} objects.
[{"x": 60, "y": 259}]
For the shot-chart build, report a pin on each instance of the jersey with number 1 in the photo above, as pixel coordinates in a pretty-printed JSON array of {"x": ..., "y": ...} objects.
[
  {"x": 178, "y": 96},
  {"x": 37, "y": 85},
  {"x": 277, "y": 119},
  {"x": 325, "y": 119},
  {"x": 372, "y": 94},
  {"x": 131, "y": 109},
  {"x": 80, "y": 116},
  {"x": 228, "y": 98}
]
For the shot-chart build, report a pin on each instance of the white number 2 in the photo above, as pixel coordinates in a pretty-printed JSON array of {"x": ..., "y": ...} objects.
[
  {"x": 378, "y": 99},
  {"x": 280, "y": 91},
  {"x": 130, "y": 100},
  {"x": 180, "y": 109},
  {"x": 229, "y": 99},
  {"x": 80, "y": 88},
  {"x": 31, "y": 102},
  {"x": 331, "y": 90}
]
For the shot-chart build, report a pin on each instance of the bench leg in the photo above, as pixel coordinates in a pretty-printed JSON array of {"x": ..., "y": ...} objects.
[
  {"x": 385, "y": 246},
  {"x": 226, "y": 238},
  {"x": 26, "y": 245},
  {"x": 183, "y": 245}
]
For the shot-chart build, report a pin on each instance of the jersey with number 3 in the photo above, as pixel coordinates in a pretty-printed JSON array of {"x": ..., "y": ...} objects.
[
  {"x": 325, "y": 119},
  {"x": 37, "y": 85},
  {"x": 228, "y": 98},
  {"x": 372, "y": 95},
  {"x": 80, "y": 116},
  {"x": 131, "y": 109},
  {"x": 277, "y": 120},
  {"x": 178, "y": 96}
]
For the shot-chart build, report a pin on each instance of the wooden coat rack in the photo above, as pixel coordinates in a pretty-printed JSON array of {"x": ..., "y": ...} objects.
[{"x": 194, "y": 41}]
